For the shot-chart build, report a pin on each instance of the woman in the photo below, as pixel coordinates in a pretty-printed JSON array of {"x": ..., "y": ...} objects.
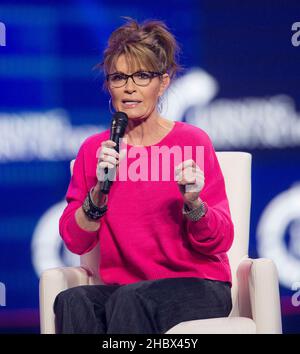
[{"x": 163, "y": 241}]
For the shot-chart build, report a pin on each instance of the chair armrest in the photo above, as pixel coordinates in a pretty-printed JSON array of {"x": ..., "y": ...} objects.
[
  {"x": 220, "y": 325},
  {"x": 258, "y": 296},
  {"x": 52, "y": 282}
]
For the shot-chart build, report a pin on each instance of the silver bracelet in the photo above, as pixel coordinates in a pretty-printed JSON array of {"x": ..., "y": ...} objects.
[
  {"x": 197, "y": 213},
  {"x": 91, "y": 210},
  {"x": 105, "y": 199}
]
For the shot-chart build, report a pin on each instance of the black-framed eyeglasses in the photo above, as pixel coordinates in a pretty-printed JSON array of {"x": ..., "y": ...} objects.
[{"x": 140, "y": 78}]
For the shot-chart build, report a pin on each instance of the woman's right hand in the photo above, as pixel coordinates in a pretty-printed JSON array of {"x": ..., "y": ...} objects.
[{"x": 108, "y": 157}]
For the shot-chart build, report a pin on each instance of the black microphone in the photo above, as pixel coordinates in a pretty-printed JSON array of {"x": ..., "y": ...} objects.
[{"x": 117, "y": 130}]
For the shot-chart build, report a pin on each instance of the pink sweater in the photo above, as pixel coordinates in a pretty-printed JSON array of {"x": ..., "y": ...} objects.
[{"x": 144, "y": 235}]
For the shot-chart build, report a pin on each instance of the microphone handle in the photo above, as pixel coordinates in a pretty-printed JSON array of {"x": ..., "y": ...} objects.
[{"x": 107, "y": 183}]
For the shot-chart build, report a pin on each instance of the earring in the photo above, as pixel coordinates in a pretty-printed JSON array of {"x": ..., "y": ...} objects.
[
  {"x": 160, "y": 104},
  {"x": 110, "y": 107}
]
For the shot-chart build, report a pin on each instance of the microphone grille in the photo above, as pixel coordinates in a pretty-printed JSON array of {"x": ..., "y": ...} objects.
[
  {"x": 121, "y": 117},
  {"x": 119, "y": 123}
]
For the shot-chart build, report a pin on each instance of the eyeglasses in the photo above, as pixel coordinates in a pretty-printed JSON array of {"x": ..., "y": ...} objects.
[{"x": 140, "y": 78}]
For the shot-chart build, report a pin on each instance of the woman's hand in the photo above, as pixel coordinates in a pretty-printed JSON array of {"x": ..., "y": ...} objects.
[
  {"x": 190, "y": 179},
  {"x": 108, "y": 157}
]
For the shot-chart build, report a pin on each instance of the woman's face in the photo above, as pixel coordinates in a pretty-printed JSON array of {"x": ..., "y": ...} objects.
[{"x": 138, "y": 102}]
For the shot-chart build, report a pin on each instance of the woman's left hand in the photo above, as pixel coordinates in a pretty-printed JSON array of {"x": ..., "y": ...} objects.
[{"x": 190, "y": 179}]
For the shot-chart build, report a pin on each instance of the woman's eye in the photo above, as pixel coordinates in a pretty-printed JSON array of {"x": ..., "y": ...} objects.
[
  {"x": 117, "y": 77},
  {"x": 143, "y": 75}
]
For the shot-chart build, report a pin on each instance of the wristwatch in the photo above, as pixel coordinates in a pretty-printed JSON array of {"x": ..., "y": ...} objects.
[
  {"x": 91, "y": 210},
  {"x": 197, "y": 213}
]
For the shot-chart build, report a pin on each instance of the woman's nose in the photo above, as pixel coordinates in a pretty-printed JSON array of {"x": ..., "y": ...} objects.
[{"x": 130, "y": 85}]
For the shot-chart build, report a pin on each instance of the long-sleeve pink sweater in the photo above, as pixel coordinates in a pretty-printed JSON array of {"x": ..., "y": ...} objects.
[{"x": 144, "y": 234}]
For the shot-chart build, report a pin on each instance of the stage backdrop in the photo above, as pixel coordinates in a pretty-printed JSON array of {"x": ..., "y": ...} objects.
[{"x": 240, "y": 84}]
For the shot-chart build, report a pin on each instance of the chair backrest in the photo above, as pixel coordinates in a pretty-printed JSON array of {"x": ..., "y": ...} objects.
[{"x": 236, "y": 169}]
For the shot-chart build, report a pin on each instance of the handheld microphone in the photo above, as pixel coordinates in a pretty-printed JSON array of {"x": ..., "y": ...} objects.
[{"x": 117, "y": 130}]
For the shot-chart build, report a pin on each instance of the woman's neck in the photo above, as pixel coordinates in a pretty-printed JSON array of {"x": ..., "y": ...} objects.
[{"x": 142, "y": 132}]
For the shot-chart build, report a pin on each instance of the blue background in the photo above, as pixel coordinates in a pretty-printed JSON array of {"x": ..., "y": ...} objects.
[{"x": 47, "y": 65}]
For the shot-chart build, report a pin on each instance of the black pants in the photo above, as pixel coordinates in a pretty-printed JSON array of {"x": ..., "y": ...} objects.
[{"x": 151, "y": 306}]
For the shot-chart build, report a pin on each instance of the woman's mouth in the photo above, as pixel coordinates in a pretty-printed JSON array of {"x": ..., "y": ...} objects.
[{"x": 130, "y": 104}]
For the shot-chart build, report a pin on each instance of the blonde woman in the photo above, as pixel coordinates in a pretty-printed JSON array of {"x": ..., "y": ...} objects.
[{"x": 163, "y": 242}]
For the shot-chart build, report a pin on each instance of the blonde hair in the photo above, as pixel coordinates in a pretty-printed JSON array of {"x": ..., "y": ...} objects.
[{"x": 150, "y": 45}]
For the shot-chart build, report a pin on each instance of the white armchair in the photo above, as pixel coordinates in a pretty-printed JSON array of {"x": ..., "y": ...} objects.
[{"x": 255, "y": 288}]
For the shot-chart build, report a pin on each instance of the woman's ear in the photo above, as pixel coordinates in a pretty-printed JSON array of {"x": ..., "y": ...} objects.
[{"x": 164, "y": 83}]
